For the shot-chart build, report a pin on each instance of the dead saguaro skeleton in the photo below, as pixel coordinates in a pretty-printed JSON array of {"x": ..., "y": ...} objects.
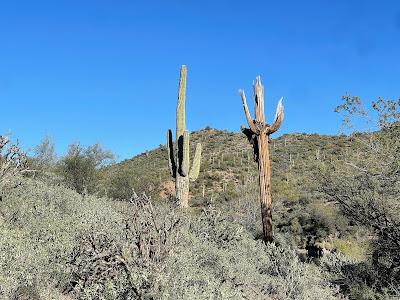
[{"x": 258, "y": 136}]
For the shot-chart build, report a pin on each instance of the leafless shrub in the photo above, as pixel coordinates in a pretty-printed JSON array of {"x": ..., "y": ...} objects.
[
  {"x": 12, "y": 163},
  {"x": 128, "y": 264}
]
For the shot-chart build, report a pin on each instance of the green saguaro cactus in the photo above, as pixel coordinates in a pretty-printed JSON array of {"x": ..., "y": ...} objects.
[{"x": 179, "y": 165}]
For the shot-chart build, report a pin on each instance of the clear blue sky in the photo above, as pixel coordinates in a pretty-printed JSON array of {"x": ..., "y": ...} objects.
[{"x": 107, "y": 71}]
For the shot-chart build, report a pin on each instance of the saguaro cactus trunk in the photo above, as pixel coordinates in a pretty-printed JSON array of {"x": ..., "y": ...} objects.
[
  {"x": 258, "y": 135},
  {"x": 179, "y": 164}
]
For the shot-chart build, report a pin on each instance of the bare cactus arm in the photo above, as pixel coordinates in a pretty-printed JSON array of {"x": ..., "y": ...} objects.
[
  {"x": 247, "y": 112},
  {"x": 278, "y": 118}
]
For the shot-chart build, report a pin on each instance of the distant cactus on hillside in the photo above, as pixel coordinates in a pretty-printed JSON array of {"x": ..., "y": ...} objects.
[{"x": 179, "y": 163}]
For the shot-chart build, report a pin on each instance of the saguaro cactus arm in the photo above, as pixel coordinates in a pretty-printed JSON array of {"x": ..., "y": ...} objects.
[
  {"x": 278, "y": 118},
  {"x": 183, "y": 155},
  {"x": 247, "y": 112},
  {"x": 195, "y": 170},
  {"x": 171, "y": 157}
]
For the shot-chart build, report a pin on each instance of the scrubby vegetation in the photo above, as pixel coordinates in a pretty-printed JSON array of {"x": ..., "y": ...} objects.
[
  {"x": 56, "y": 245},
  {"x": 77, "y": 228}
]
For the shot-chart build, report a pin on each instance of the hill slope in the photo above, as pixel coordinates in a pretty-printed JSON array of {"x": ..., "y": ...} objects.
[{"x": 227, "y": 165}]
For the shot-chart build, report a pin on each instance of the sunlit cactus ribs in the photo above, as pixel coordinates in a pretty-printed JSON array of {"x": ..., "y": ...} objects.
[
  {"x": 179, "y": 164},
  {"x": 258, "y": 135}
]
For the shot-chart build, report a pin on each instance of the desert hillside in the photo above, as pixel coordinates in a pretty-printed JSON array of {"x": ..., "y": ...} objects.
[{"x": 227, "y": 164}]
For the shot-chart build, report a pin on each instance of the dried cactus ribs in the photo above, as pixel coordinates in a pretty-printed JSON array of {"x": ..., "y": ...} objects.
[
  {"x": 179, "y": 164},
  {"x": 258, "y": 136}
]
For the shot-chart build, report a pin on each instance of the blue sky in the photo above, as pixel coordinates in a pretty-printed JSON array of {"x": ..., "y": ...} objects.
[{"x": 107, "y": 71}]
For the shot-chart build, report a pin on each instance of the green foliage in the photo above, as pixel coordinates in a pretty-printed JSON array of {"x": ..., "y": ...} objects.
[
  {"x": 44, "y": 156},
  {"x": 230, "y": 175},
  {"x": 339, "y": 192},
  {"x": 386, "y": 112},
  {"x": 350, "y": 108},
  {"x": 350, "y": 249},
  {"x": 366, "y": 185},
  {"x": 121, "y": 186},
  {"x": 227, "y": 157},
  {"x": 79, "y": 167}
]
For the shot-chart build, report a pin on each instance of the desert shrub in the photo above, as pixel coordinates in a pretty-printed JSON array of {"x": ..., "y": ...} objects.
[
  {"x": 127, "y": 265},
  {"x": 44, "y": 156},
  {"x": 101, "y": 249},
  {"x": 25, "y": 292},
  {"x": 121, "y": 186},
  {"x": 356, "y": 278},
  {"x": 12, "y": 164},
  {"x": 246, "y": 209},
  {"x": 366, "y": 186},
  {"x": 39, "y": 227},
  {"x": 350, "y": 248},
  {"x": 225, "y": 262},
  {"x": 80, "y": 166}
]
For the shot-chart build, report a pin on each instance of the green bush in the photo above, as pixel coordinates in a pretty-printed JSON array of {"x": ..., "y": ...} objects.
[
  {"x": 79, "y": 167},
  {"x": 44, "y": 157},
  {"x": 121, "y": 186}
]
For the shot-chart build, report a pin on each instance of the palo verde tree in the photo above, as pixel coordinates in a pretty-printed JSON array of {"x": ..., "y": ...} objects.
[
  {"x": 44, "y": 157},
  {"x": 80, "y": 166},
  {"x": 179, "y": 164},
  {"x": 365, "y": 184},
  {"x": 258, "y": 135}
]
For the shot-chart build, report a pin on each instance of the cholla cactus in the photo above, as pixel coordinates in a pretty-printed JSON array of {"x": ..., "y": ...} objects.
[
  {"x": 179, "y": 163},
  {"x": 258, "y": 136}
]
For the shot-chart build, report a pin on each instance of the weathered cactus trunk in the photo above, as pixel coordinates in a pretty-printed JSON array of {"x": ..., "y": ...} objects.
[
  {"x": 264, "y": 175},
  {"x": 258, "y": 136},
  {"x": 179, "y": 165}
]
